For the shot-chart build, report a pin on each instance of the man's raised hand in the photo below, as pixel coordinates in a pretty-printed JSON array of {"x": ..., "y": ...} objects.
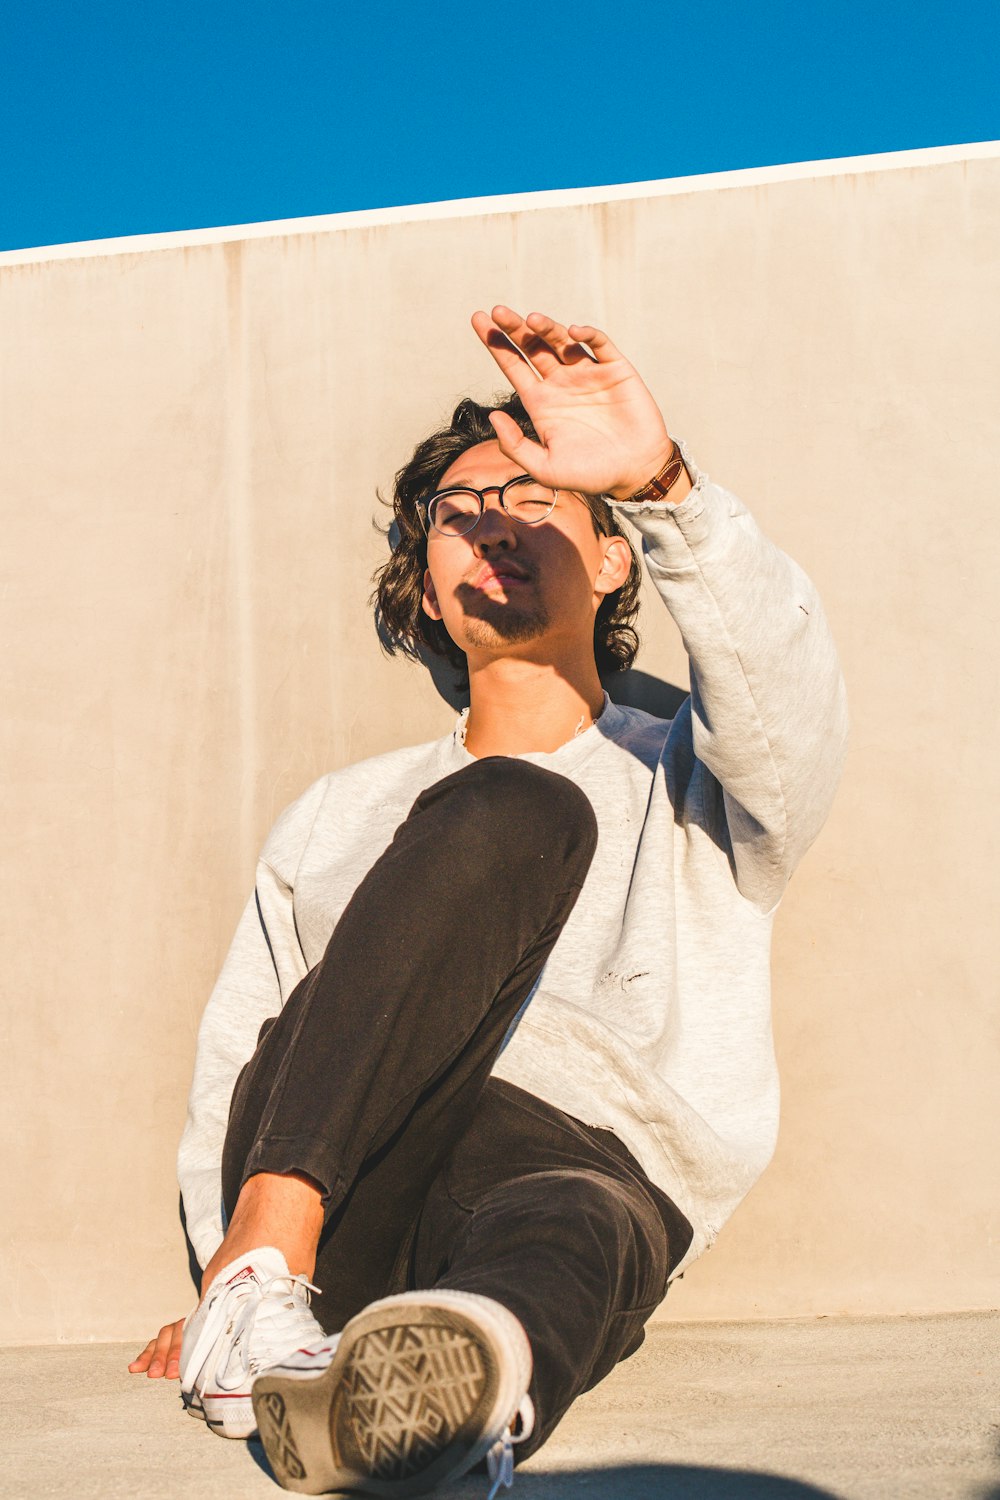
[{"x": 600, "y": 430}]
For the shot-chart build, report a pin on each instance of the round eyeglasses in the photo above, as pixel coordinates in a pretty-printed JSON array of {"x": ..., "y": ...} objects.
[{"x": 455, "y": 512}]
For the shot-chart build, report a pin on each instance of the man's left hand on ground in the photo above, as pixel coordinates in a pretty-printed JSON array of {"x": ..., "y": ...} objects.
[
  {"x": 161, "y": 1356},
  {"x": 599, "y": 427}
]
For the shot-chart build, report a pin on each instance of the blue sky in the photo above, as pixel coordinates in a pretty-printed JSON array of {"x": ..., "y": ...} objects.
[{"x": 123, "y": 118}]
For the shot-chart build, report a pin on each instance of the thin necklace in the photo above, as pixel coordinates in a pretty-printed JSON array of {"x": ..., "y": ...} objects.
[{"x": 462, "y": 728}]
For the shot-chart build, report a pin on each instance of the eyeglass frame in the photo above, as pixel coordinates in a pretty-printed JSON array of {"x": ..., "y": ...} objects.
[{"x": 423, "y": 506}]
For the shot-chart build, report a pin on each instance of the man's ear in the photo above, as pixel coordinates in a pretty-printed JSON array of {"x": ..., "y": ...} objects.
[
  {"x": 430, "y": 600},
  {"x": 615, "y": 566}
]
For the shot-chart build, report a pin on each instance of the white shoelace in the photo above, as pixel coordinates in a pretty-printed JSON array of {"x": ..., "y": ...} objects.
[
  {"x": 500, "y": 1458},
  {"x": 269, "y": 1326}
]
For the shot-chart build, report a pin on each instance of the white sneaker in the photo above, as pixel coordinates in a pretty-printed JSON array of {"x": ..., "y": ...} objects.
[
  {"x": 254, "y": 1313},
  {"x": 423, "y": 1386}
]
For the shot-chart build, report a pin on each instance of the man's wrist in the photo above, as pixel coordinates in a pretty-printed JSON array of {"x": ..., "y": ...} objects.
[{"x": 669, "y": 482}]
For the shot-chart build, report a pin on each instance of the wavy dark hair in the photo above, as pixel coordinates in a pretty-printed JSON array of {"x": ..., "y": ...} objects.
[{"x": 399, "y": 583}]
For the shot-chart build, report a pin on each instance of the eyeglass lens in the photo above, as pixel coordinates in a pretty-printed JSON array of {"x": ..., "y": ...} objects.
[{"x": 454, "y": 512}]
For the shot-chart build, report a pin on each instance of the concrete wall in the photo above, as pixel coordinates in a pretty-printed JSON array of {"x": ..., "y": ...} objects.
[{"x": 192, "y": 432}]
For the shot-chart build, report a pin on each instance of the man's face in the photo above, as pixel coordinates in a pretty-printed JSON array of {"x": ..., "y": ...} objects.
[{"x": 506, "y": 588}]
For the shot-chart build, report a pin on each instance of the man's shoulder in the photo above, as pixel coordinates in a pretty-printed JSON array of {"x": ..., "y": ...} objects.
[
  {"x": 362, "y": 783},
  {"x": 642, "y": 734},
  {"x": 389, "y": 767}
]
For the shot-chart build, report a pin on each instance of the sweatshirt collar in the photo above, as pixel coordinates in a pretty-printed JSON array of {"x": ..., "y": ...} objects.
[{"x": 565, "y": 760}]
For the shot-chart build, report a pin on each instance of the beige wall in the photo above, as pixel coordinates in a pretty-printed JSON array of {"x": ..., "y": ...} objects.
[{"x": 190, "y": 438}]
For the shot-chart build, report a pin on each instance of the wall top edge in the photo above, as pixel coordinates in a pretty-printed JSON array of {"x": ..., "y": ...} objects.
[{"x": 505, "y": 203}]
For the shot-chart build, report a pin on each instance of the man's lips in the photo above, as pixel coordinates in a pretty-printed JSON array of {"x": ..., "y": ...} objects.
[{"x": 501, "y": 573}]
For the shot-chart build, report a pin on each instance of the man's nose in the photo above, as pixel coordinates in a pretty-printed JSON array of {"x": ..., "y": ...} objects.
[{"x": 495, "y": 527}]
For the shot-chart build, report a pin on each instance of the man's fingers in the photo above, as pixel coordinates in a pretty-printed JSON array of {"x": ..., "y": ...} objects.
[
  {"x": 141, "y": 1361},
  {"x": 158, "y": 1363},
  {"x": 541, "y": 339},
  {"x": 161, "y": 1355},
  {"x": 598, "y": 342},
  {"x": 540, "y": 343},
  {"x": 510, "y": 359},
  {"x": 516, "y": 446},
  {"x": 173, "y": 1366},
  {"x": 556, "y": 336},
  {"x": 537, "y": 337}
]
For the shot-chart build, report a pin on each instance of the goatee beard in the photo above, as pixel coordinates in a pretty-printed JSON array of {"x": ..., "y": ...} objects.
[{"x": 489, "y": 624}]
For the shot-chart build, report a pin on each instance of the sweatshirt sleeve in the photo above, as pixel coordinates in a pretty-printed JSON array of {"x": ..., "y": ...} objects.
[
  {"x": 262, "y": 967},
  {"x": 768, "y": 718}
]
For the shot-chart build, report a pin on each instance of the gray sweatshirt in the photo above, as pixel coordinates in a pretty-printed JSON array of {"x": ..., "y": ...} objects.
[{"x": 652, "y": 1015}]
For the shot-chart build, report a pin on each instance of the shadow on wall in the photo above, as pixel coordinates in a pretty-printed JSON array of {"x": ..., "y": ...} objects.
[
  {"x": 194, "y": 1269},
  {"x": 632, "y": 689}
]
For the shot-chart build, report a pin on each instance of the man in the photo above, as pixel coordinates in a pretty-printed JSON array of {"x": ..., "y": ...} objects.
[{"x": 514, "y": 1065}]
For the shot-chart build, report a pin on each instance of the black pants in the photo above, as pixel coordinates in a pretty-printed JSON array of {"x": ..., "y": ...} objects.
[{"x": 374, "y": 1080}]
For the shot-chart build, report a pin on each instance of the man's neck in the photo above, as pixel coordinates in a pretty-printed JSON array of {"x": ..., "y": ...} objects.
[{"x": 519, "y": 706}]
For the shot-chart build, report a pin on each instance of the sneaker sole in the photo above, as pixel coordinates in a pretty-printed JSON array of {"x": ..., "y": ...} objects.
[
  {"x": 420, "y": 1388},
  {"x": 229, "y": 1415}
]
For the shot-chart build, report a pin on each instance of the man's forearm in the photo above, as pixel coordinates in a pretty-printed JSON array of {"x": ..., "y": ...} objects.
[{"x": 769, "y": 718}]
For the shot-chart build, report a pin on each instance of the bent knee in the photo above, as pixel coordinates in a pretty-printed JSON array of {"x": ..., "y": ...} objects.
[{"x": 520, "y": 807}]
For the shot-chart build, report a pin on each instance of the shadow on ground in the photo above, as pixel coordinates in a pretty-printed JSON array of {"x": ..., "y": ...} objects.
[
  {"x": 628, "y": 1482},
  {"x": 993, "y": 1493},
  {"x": 669, "y": 1481}
]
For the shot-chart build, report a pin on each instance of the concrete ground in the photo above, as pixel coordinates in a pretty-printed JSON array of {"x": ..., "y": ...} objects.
[{"x": 898, "y": 1409}]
